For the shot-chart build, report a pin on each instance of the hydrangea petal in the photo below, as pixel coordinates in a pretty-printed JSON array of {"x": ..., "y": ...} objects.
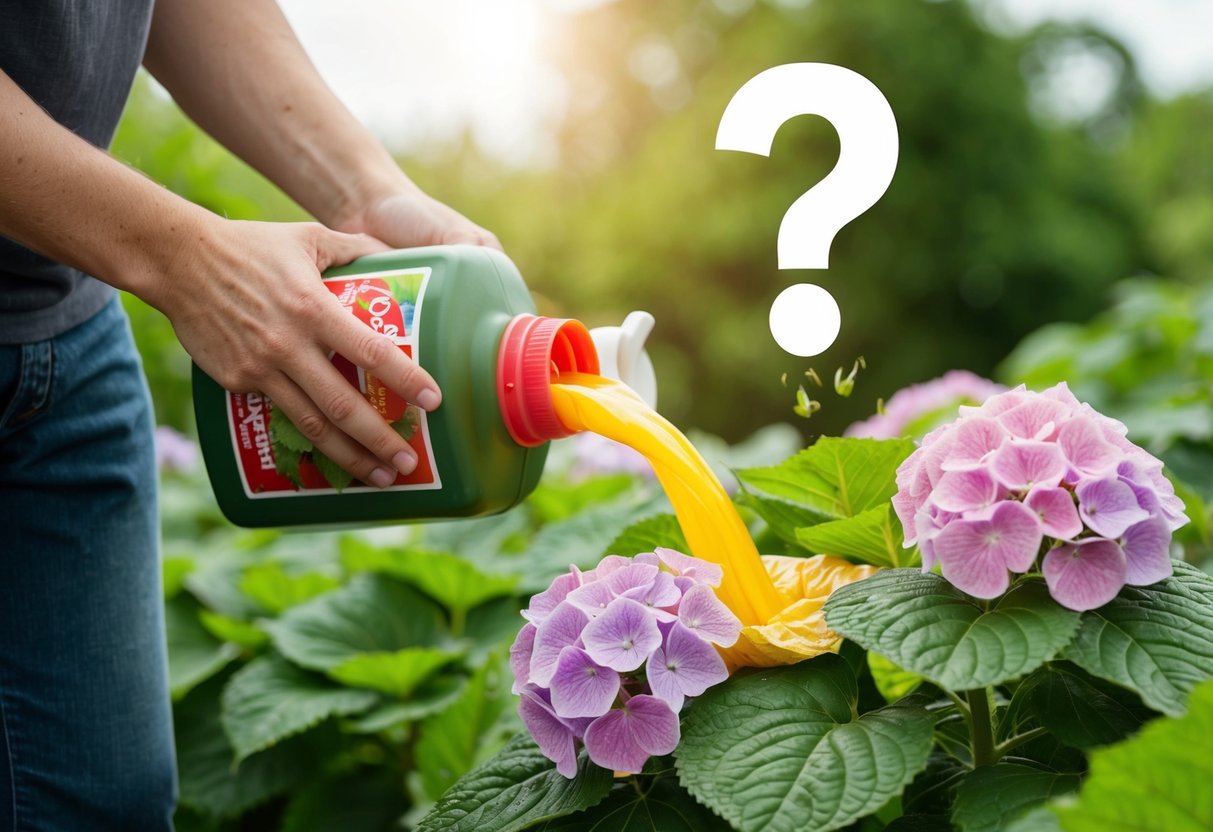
[
  {"x": 660, "y": 592},
  {"x": 554, "y": 738},
  {"x": 542, "y": 604},
  {"x": 560, "y": 629},
  {"x": 906, "y": 506},
  {"x": 1035, "y": 418},
  {"x": 580, "y": 687},
  {"x": 630, "y": 577},
  {"x": 623, "y": 636},
  {"x": 685, "y": 665},
  {"x": 701, "y": 612},
  {"x": 591, "y": 598},
  {"x": 976, "y": 554},
  {"x": 625, "y": 738},
  {"x": 1061, "y": 392},
  {"x": 692, "y": 567},
  {"x": 1108, "y": 506},
  {"x": 964, "y": 490},
  {"x": 520, "y": 656},
  {"x": 975, "y": 438},
  {"x": 1147, "y": 548},
  {"x": 1085, "y": 447},
  {"x": 1025, "y": 464},
  {"x": 1086, "y": 575},
  {"x": 1056, "y": 510}
]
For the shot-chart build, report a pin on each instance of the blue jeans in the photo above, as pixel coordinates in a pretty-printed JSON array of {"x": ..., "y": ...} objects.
[{"x": 85, "y": 720}]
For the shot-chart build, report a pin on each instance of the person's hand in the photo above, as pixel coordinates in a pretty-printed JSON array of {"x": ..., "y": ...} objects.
[
  {"x": 409, "y": 217},
  {"x": 247, "y": 303}
]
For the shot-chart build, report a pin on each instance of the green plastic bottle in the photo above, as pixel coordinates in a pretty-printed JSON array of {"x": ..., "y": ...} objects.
[{"x": 464, "y": 313}]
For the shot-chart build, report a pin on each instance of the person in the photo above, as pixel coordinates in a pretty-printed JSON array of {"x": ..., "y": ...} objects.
[{"x": 85, "y": 718}]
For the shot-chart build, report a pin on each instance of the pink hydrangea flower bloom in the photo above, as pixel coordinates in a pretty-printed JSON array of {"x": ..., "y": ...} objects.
[
  {"x": 608, "y": 657},
  {"x": 919, "y": 403},
  {"x": 1038, "y": 478}
]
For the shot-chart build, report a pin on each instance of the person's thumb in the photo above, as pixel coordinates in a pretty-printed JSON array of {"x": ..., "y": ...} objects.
[{"x": 335, "y": 248}]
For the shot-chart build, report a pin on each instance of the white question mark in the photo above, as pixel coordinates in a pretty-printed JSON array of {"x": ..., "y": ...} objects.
[{"x": 805, "y": 318}]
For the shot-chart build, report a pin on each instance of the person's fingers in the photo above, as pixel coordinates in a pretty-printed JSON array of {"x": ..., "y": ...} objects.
[
  {"x": 338, "y": 446},
  {"x": 345, "y": 409},
  {"x": 377, "y": 354},
  {"x": 334, "y": 248}
]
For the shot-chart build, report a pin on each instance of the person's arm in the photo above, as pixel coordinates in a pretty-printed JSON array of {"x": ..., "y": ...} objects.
[
  {"x": 245, "y": 299},
  {"x": 236, "y": 68}
]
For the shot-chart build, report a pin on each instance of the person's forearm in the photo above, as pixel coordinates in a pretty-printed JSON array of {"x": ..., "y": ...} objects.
[
  {"x": 236, "y": 68},
  {"x": 70, "y": 201}
]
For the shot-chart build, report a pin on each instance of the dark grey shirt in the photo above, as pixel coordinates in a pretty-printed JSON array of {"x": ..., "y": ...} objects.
[{"x": 77, "y": 59}]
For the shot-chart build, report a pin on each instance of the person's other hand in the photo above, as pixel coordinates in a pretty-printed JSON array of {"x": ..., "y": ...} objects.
[
  {"x": 409, "y": 217},
  {"x": 247, "y": 302}
]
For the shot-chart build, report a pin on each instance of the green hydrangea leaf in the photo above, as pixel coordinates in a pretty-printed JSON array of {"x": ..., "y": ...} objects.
[
  {"x": 269, "y": 699},
  {"x": 514, "y": 790},
  {"x": 873, "y": 536},
  {"x": 892, "y": 681},
  {"x": 924, "y": 624},
  {"x": 453, "y": 740},
  {"x": 371, "y": 614},
  {"x": 432, "y": 696},
  {"x": 782, "y": 517},
  {"x": 1156, "y": 781},
  {"x": 648, "y": 534},
  {"x": 663, "y": 806},
  {"x": 397, "y": 673},
  {"x": 447, "y": 578},
  {"x": 1155, "y": 640},
  {"x": 286, "y": 463},
  {"x": 782, "y": 750},
  {"x": 225, "y": 628},
  {"x": 555, "y": 501},
  {"x": 194, "y": 655},
  {"x": 838, "y": 477},
  {"x": 1078, "y": 709},
  {"x": 367, "y": 799},
  {"x": 407, "y": 425},
  {"x": 992, "y": 796},
  {"x": 271, "y": 587}
]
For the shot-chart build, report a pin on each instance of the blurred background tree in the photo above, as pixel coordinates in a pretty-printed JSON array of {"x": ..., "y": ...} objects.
[{"x": 1011, "y": 207}]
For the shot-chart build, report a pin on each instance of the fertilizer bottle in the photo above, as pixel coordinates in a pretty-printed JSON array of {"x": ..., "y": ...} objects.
[{"x": 464, "y": 314}]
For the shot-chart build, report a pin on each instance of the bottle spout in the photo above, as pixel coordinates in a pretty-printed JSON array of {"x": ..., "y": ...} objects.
[{"x": 622, "y": 356}]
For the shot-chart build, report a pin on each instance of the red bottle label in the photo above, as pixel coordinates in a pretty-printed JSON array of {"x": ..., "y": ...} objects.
[{"x": 275, "y": 460}]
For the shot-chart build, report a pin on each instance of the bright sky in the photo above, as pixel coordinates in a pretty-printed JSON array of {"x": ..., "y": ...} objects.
[{"x": 417, "y": 71}]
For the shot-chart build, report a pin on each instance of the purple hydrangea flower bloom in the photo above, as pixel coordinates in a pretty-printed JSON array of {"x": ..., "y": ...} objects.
[
  {"x": 174, "y": 450},
  {"x": 608, "y": 657},
  {"x": 1028, "y": 478}
]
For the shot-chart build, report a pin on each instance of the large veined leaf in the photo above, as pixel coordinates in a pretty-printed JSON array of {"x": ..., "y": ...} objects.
[
  {"x": 924, "y": 624},
  {"x": 992, "y": 796},
  {"x": 433, "y": 696},
  {"x": 270, "y": 699},
  {"x": 452, "y": 741},
  {"x": 662, "y": 806},
  {"x": 397, "y": 673},
  {"x": 873, "y": 536},
  {"x": 515, "y": 789},
  {"x": 1156, "y": 640},
  {"x": 836, "y": 476},
  {"x": 194, "y": 655},
  {"x": 270, "y": 586},
  {"x": 1156, "y": 781},
  {"x": 1078, "y": 709},
  {"x": 782, "y": 517},
  {"x": 367, "y": 799},
  {"x": 447, "y": 578},
  {"x": 371, "y": 614},
  {"x": 782, "y": 750},
  {"x": 210, "y": 781}
]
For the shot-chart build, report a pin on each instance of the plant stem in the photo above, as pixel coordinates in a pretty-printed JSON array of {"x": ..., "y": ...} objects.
[
  {"x": 459, "y": 618},
  {"x": 1011, "y": 743},
  {"x": 981, "y": 728}
]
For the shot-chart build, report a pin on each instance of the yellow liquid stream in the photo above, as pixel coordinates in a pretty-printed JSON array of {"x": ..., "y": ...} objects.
[{"x": 711, "y": 525}]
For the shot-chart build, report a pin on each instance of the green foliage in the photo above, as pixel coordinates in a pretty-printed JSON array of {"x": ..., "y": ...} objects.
[
  {"x": 515, "y": 790},
  {"x": 1155, "y": 640},
  {"x": 785, "y": 749},
  {"x": 1156, "y": 781},
  {"x": 989, "y": 798},
  {"x": 924, "y": 624}
]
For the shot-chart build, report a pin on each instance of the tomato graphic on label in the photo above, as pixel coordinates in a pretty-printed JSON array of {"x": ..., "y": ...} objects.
[{"x": 372, "y": 303}]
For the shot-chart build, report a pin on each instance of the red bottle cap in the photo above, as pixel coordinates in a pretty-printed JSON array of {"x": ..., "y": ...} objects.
[{"x": 534, "y": 350}]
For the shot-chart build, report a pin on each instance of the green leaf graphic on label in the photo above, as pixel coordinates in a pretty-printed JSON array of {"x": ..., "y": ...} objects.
[
  {"x": 407, "y": 425},
  {"x": 337, "y": 476}
]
